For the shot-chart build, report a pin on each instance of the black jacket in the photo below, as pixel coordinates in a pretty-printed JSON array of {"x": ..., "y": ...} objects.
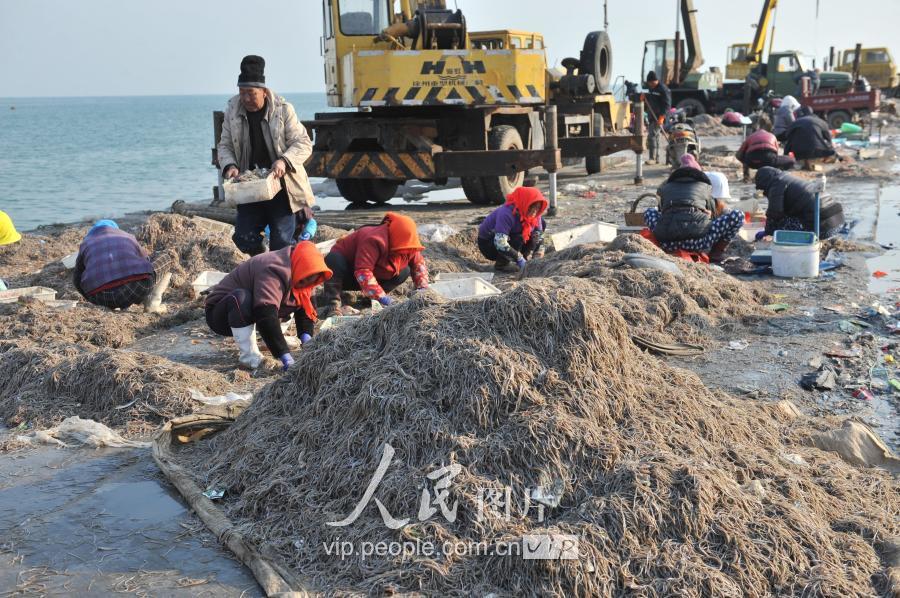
[
  {"x": 808, "y": 138},
  {"x": 659, "y": 100},
  {"x": 793, "y": 197},
  {"x": 686, "y": 206}
]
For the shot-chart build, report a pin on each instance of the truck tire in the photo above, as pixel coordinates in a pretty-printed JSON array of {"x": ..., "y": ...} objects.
[
  {"x": 596, "y": 59},
  {"x": 474, "y": 190},
  {"x": 838, "y": 117},
  {"x": 502, "y": 137},
  {"x": 361, "y": 191},
  {"x": 691, "y": 107},
  {"x": 594, "y": 164}
]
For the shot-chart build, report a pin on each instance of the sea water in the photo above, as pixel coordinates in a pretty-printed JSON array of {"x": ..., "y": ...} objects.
[{"x": 69, "y": 159}]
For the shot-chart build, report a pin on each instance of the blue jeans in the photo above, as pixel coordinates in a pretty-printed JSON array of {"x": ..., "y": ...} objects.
[
  {"x": 253, "y": 218},
  {"x": 723, "y": 228}
]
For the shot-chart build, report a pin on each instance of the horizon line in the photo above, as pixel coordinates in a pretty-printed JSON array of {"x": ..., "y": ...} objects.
[{"x": 140, "y": 95}]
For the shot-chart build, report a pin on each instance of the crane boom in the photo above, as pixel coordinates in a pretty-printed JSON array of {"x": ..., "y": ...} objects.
[
  {"x": 755, "y": 54},
  {"x": 692, "y": 36}
]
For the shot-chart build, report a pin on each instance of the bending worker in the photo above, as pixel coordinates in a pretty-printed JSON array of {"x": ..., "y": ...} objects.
[
  {"x": 261, "y": 130},
  {"x": 809, "y": 138},
  {"x": 263, "y": 291},
  {"x": 513, "y": 233},
  {"x": 113, "y": 270},
  {"x": 784, "y": 116},
  {"x": 761, "y": 149},
  {"x": 376, "y": 259},
  {"x": 8, "y": 236},
  {"x": 792, "y": 205},
  {"x": 689, "y": 218}
]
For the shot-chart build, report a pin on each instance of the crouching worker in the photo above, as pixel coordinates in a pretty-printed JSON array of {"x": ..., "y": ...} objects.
[
  {"x": 8, "y": 236},
  {"x": 792, "y": 205},
  {"x": 688, "y": 218},
  {"x": 263, "y": 291},
  {"x": 514, "y": 232},
  {"x": 761, "y": 149},
  {"x": 112, "y": 270},
  {"x": 376, "y": 259}
]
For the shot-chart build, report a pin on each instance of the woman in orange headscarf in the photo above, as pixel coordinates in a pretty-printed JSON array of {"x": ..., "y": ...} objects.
[
  {"x": 376, "y": 260},
  {"x": 514, "y": 231},
  {"x": 264, "y": 291}
]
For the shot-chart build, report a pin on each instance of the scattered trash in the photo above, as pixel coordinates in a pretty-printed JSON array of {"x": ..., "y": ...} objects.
[
  {"x": 889, "y": 359},
  {"x": 879, "y": 274},
  {"x": 844, "y": 353},
  {"x": 436, "y": 233},
  {"x": 895, "y": 384},
  {"x": 823, "y": 379},
  {"x": 859, "y": 445},
  {"x": 213, "y": 494},
  {"x": 639, "y": 260},
  {"x": 851, "y": 326},
  {"x": 739, "y": 345},
  {"x": 575, "y": 188},
  {"x": 228, "y": 399},
  {"x": 74, "y": 431},
  {"x": 777, "y": 307},
  {"x": 863, "y": 394}
]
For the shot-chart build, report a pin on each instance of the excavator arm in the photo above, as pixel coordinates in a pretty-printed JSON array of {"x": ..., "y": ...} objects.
[
  {"x": 755, "y": 54},
  {"x": 694, "y": 59}
]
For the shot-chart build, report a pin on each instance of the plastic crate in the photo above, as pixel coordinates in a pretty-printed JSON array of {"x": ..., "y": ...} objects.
[
  {"x": 447, "y": 276},
  {"x": 466, "y": 288},
  {"x": 39, "y": 293},
  {"x": 206, "y": 280},
  {"x": 597, "y": 232}
]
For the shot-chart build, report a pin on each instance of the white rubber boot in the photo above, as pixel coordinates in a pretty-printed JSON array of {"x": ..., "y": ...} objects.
[
  {"x": 245, "y": 339},
  {"x": 153, "y": 302}
]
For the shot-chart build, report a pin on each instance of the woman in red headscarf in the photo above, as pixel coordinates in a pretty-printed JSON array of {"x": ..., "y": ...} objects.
[
  {"x": 376, "y": 259},
  {"x": 514, "y": 231},
  {"x": 264, "y": 291}
]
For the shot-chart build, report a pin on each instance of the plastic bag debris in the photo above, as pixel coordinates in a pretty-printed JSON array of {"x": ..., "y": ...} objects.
[
  {"x": 436, "y": 233},
  {"x": 857, "y": 444},
  {"x": 823, "y": 379},
  {"x": 74, "y": 431},
  {"x": 213, "y": 494},
  {"x": 739, "y": 345},
  {"x": 794, "y": 459},
  {"x": 778, "y": 307},
  {"x": 228, "y": 399}
]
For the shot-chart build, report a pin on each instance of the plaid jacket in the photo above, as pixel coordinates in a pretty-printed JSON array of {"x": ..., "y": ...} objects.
[{"x": 109, "y": 255}]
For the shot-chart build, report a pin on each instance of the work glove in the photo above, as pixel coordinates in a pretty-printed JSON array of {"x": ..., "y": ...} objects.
[
  {"x": 661, "y": 120},
  {"x": 286, "y": 361},
  {"x": 386, "y": 301},
  {"x": 521, "y": 263},
  {"x": 305, "y": 338},
  {"x": 761, "y": 235},
  {"x": 305, "y": 237}
]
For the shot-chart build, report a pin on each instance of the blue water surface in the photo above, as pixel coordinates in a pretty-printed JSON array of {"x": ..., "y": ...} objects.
[{"x": 67, "y": 159}]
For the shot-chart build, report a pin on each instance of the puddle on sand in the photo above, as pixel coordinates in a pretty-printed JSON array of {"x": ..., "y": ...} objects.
[{"x": 887, "y": 233}]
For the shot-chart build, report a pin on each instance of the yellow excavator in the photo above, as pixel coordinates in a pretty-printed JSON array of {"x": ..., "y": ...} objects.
[
  {"x": 430, "y": 100},
  {"x": 744, "y": 57}
]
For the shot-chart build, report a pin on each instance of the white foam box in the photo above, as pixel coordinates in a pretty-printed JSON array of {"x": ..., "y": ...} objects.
[
  {"x": 213, "y": 226},
  {"x": 206, "y": 280},
  {"x": 338, "y": 321},
  {"x": 39, "y": 293},
  {"x": 596, "y": 232},
  {"x": 251, "y": 191},
  {"x": 466, "y": 288},
  {"x": 630, "y": 230},
  {"x": 70, "y": 260},
  {"x": 447, "y": 276}
]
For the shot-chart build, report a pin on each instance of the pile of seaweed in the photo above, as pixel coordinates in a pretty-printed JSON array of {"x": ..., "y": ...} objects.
[{"x": 666, "y": 487}]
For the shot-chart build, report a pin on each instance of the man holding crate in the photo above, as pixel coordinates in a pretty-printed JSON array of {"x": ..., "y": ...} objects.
[{"x": 261, "y": 130}]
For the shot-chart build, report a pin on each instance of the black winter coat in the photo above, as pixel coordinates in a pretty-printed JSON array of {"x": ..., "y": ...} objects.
[
  {"x": 808, "y": 138},
  {"x": 793, "y": 197},
  {"x": 659, "y": 100},
  {"x": 686, "y": 206}
]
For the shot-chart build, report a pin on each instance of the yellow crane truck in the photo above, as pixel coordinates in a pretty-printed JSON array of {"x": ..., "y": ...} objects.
[{"x": 430, "y": 101}]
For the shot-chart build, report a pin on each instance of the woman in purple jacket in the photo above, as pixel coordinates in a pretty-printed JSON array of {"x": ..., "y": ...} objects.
[
  {"x": 514, "y": 231},
  {"x": 114, "y": 271}
]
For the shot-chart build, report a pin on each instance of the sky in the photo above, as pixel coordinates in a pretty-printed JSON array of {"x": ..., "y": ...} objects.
[{"x": 180, "y": 47}]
